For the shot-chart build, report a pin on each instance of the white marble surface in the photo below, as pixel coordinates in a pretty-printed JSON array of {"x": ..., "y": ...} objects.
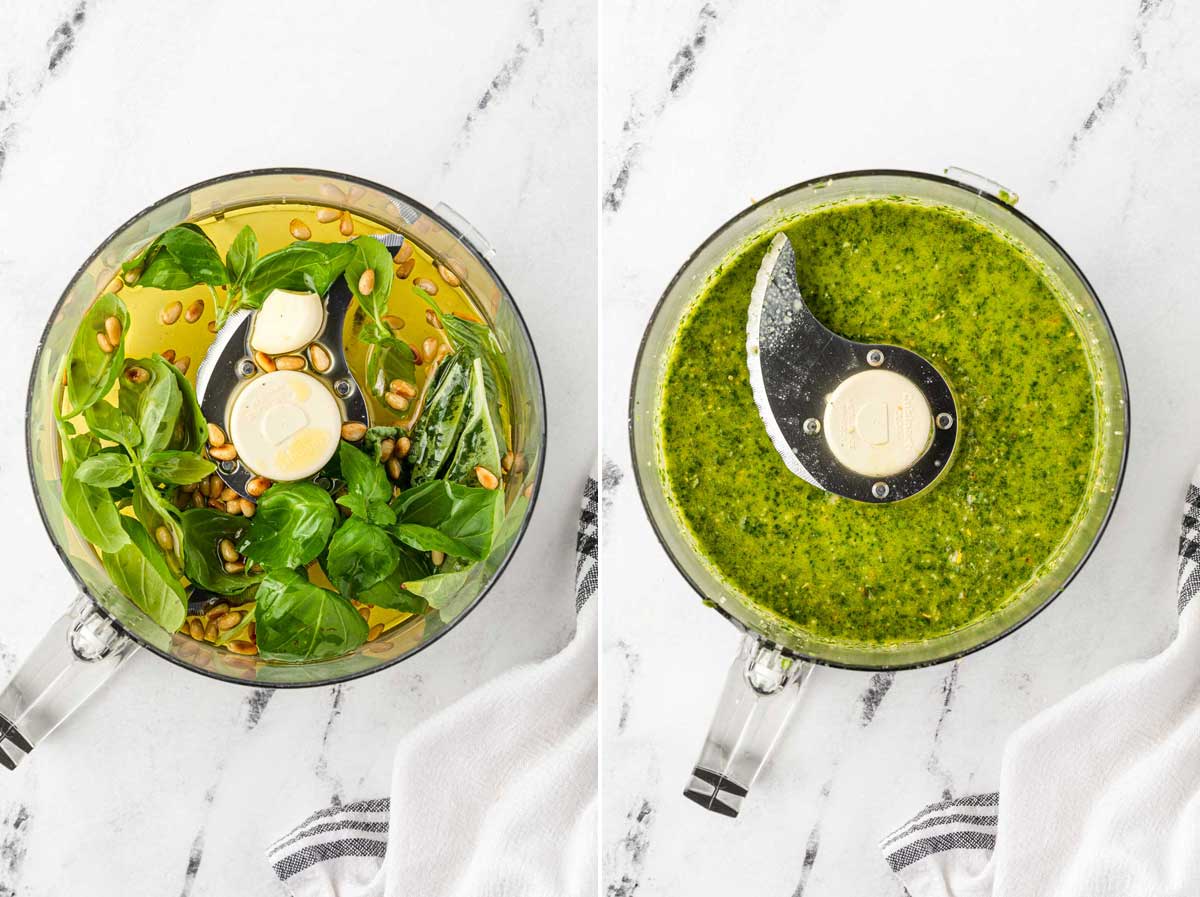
[
  {"x": 166, "y": 782},
  {"x": 1087, "y": 108}
]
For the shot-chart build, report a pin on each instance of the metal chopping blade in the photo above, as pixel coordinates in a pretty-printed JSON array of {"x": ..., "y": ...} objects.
[{"x": 871, "y": 422}]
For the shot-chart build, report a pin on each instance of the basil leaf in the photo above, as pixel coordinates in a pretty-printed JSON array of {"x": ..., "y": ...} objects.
[
  {"x": 203, "y": 530},
  {"x": 374, "y": 439},
  {"x": 91, "y": 371},
  {"x": 154, "y": 511},
  {"x": 479, "y": 340},
  {"x": 296, "y": 620},
  {"x": 411, "y": 565},
  {"x": 389, "y": 359},
  {"x": 436, "y": 431},
  {"x": 91, "y": 509},
  {"x": 154, "y": 403},
  {"x": 360, "y": 555},
  {"x": 184, "y": 256},
  {"x": 105, "y": 470},
  {"x": 177, "y": 467},
  {"x": 371, "y": 253},
  {"x": 113, "y": 424},
  {"x": 291, "y": 527},
  {"x": 243, "y": 252},
  {"x": 441, "y": 589},
  {"x": 191, "y": 429},
  {"x": 140, "y": 571},
  {"x": 369, "y": 487},
  {"x": 298, "y": 266},
  {"x": 481, "y": 443},
  {"x": 443, "y": 516}
]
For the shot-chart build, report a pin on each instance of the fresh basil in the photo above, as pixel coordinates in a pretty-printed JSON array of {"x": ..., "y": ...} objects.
[
  {"x": 298, "y": 266},
  {"x": 291, "y": 527},
  {"x": 388, "y": 359},
  {"x": 183, "y": 257},
  {"x": 297, "y": 621},
  {"x": 373, "y": 441},
  {"x": 154, "y": 402},
  {"x": 177, "y": 467},
  {"x": 412, "y": 565},
  {"x": 140, "y": 571},
  {"x": 481, "y": 443},
  {"x": 368, "y": 485},
  {"x": 476, "y": 339},
  {"x": 360, "y": 555},
  {"x": 91, "y": 371},
  {"x": 105, "y": 470},
  {"x": 442, "y": 516},
  {"x": 191, "y": 429},
  {"x": 90, "y": 508},
  {"x": 242, "y": 254},
  {"x": 153, "y": 510},
  {"x": 371, "y": 253},
  {"x": 443, "y": 590},
  {"x": 203, "y": 530},
  {"x": 436, "y": 431},
  {"x": 111, "y": 423}
]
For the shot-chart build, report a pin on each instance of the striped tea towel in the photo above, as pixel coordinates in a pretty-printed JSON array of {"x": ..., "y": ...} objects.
[
  {"x": 1099, "y": 795},
  {"x": 495, "y": 796}
]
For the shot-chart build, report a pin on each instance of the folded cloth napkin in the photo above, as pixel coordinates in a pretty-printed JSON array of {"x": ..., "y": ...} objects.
[
  {"x": 1099, "y": 795},
  {"x": 496, "y": 796}
]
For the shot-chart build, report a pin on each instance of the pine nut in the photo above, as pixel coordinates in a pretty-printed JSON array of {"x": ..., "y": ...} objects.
[
  {"x": 181, "y": 499},
  {"x": 132, "y": 277},
  {"x": 416, "y": 354},
  {"x": 366, "y": 281},
  {"x": 215, "y": 485},
  {"x": 216, "y": 436},
  {"x": 116, "y": 285},
  {"x": 346, "y": 225},
  {"x": 264, "y": 361},
  {"x": 386, "y": 447},
  {"x": 171, "y": 313},
  {"x": 225, "y": 452},
  {"x": 364, "y": 612},
  {"x": 217, "y": 505},
  {"x": 404, "y": 253},
  {"x": 212, "y": 326},
  {"x": 112, "y": 329},
  {"x": 247, "y": 507},
  {"x": 374, "y": 632},
  {"x": 168, "y": 356},
  {"x": 299, "y": 229},
  {"x": 405, "y": 268},
  {"x": 289, "y": 362},
  {"x": 189, "y": 488},
  {"x": 105, "y": 346},
  {"x": 217, "y": 609},
  {"x": 429, "y": 347},
  {"x": 431, "y": 319},
  {"x": 437, "y": 558},
  {"x": 320, "y": 359},
  {"x": 257, "y": 486},
  {"x": 163, "y": 537},
  {"x": 396, "y": 323},
  {"x": 325, "y": 216},
  {"x": 228, "y": 494},
  {"x": 353, "y": 431},
  {"x": 210, "y": 631},
  {"x": 197, "y": 499},
  {"x": 240, "y": 647},
  {"x": 506, "y": 462},
  {"x": 443, "y": 353},
  {"x": 228, "y": 551},
  {"x": 396, "y": 402},
  {"x": 196, "y": 630},
  {"x": 487, "y": 479},
  {"x": 403, "y": 444},
  {"x": 182, "y": 364},
  {"x": 137, "y": 375},
  {"x": 235, "y": 567},
  {"x": 194, "y": 311},
  {"x": 225, "y": 622},
  {"x": 447, "y": 275},
  {"x": 424, "y": 283},
  {"x": 393, "y": 467}
]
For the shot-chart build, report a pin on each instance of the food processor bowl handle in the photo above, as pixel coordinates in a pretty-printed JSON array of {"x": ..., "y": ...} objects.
[
  {"x": 81, "y": 650},
  {"x": 761, "y": 690}
]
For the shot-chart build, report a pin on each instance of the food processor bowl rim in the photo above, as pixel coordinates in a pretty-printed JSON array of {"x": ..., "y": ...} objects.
[
  {"x": 240, "y": 175},
  {"x": 974, "y": 191}
]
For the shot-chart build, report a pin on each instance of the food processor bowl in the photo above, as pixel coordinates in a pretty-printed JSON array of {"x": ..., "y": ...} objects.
[
  {"x": 103, "y": 627},
  {"x": 777, "y": 654}
]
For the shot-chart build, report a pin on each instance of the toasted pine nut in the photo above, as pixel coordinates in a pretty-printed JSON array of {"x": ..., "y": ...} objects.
[
  {"x": 264, "y": 361},
  {"x": 403, "y": 388},
  {"x": 289, "y": 363},
  {"x": 374, "y": 632},
  {"x": 405, "y": 268},
  {"x": 132, "y": 277},
  {"x": 366, "y": 281},
  {"x": 168, "y": 356},
  {"x": 416, "y": 354},
  {"x": 112, "y": 329},
  {"x": 212, "y": 326},
  {"x": 403, "y": 444},
  {"x": 137, "y": 375},
  {"x": 116, "y": 285},
  {"x": 225, "y": 622},
  {"x": 299, "y": 229},
  {"x": 257, "y": 486},
  {"x": 182, "y": 364},
  {"x": 394, "y": 321},
  {"x": 487, "y": 479},
  {"x": 327, "y": 215},
  {"x": 429, "y": 347},
  {"x": 181, "y": 500},
  {"x": 247, "y": 507},
  {"x": 386, "y": 447},
  {"x": 197, "y": 499},
  {"x": 189, "y": 488},
  {"x": 228, "y": 550},
  {"x": 217, "y": 505},
  {"x": 105, "y": 346},
  {"x": 353, "y": 431},
  {"x": 225, "y": 452},
  {"x": 163, "y": 537},
  {"x": 506, "y": 462},
  {"x": 194, "y": 311},
  {"x": 431, "y": 319},
  {"x": 217, "y": 609},
  {"x": 364, "y": 612},
  {"x": 170, "y": 314},
  {"x": 240, "y": 647},
  {"x": 346, "y": 225},
  {"x": 437, "y": 558},
  {"x": 442, "y": 353},
  {"x": 404, "y": 253},
  {"x": 234, "y": 567},
  {"x": 216, "y": 436},
  {"x": 228, "y": 494},
  {"x": 320, "y": 359},
  {"x": 196, "y": 630},
  {"x": 215, "y": 485},
  {"x": 210, "y": 631},
  {"x": 447, "y": 275},
  {"x": 396, "y": 402},
  {"x": 393, "y": 467},
  {"x": 424, "y": 283}
]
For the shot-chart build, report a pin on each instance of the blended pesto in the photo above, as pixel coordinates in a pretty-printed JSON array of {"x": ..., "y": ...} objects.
[{"x": 974, "y": 304}]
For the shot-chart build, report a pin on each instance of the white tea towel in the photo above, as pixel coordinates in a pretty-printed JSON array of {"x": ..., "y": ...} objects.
[
  {"x": 495, "y": 797},
  {"x": 1099, "y": 795}
]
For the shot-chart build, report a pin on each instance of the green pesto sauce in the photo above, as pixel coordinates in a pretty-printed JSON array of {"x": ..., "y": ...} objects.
[{"x": 980, "y": 310}]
